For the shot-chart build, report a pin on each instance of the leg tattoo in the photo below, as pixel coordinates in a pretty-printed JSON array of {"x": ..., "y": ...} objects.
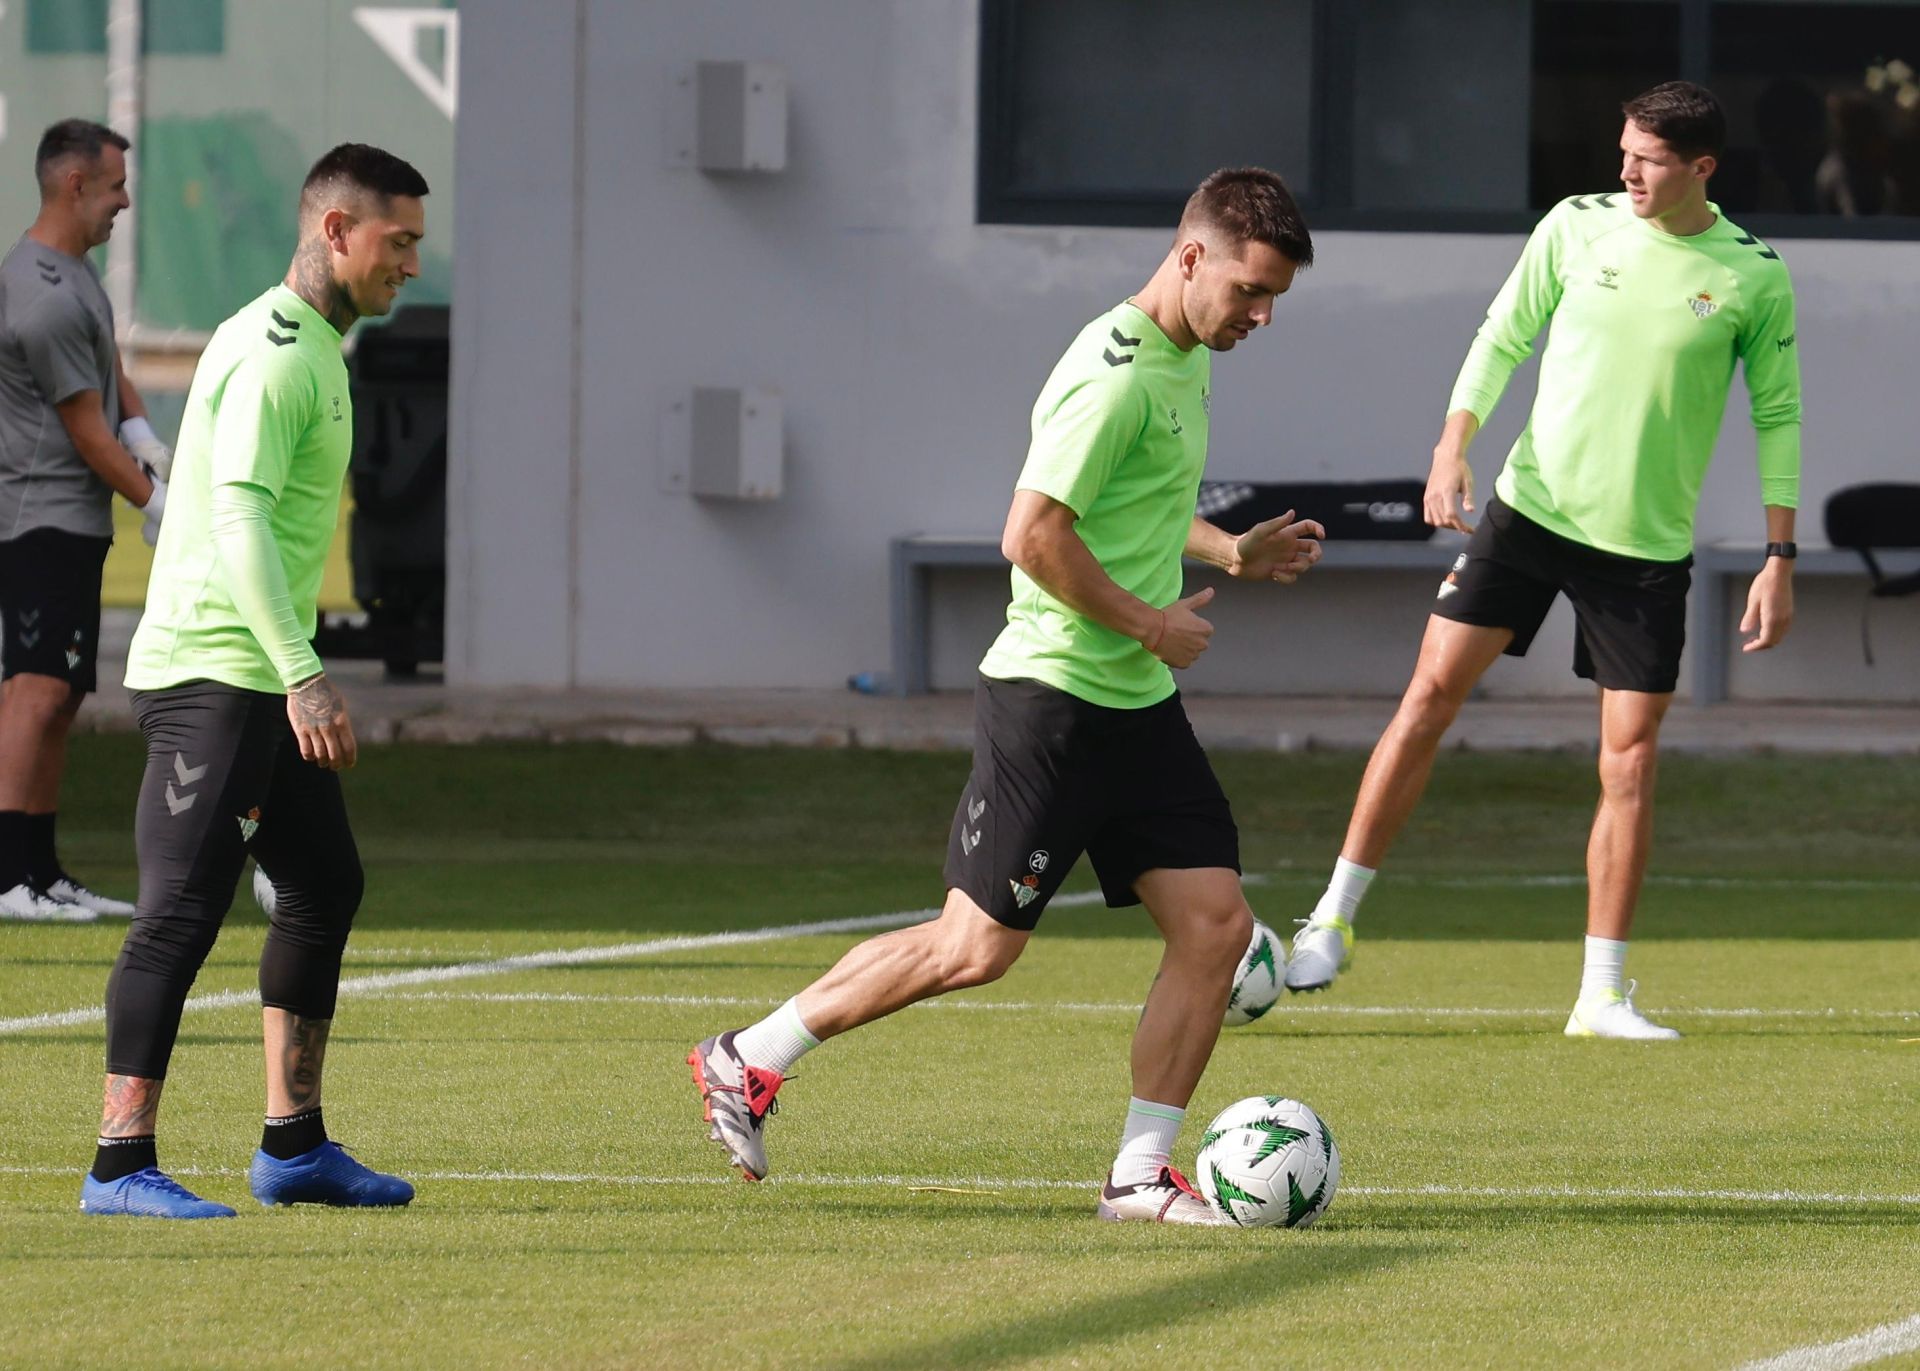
[{"x": 131, "y": 1107}]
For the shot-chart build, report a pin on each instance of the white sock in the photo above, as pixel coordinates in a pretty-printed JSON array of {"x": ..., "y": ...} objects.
[
  {"x": 1344, "y": 892},
  {"x": 1146, "y": 1144},
  {"x": 1605, "y": 972},
  {"x": 777, "y": 1041}
]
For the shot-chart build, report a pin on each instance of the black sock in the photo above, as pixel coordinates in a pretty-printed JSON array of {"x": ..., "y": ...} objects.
[
  {"x": 43, "y": 868},
  {"x": 13, "y": 848},
  {"x": 296, "y": 1134},
  {"x": 117, "y": 1157}
]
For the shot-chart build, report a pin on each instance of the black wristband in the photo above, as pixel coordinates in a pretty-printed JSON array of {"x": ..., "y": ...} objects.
[{"x": 1786, "y": 550}]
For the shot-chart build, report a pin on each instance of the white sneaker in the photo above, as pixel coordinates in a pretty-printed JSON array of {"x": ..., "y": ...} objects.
[
  {"x": 1613, "y": 1016},
  {"x": 1168, "y": 1198},
  {"x": 1321, "y": 950},
  {"x": 69, "y": 891},
  {"x": 28, "y": 905}
]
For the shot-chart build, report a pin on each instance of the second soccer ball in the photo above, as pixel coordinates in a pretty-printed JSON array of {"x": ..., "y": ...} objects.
[{"x": 1257, "y": 982}]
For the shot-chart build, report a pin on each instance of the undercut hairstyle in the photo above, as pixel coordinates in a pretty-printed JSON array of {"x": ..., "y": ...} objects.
[
  {"x": 1250, "y": 204},
  {"x": 352, "y": 172},
  {"x": 1686, "y": 117},
  {"x": 80, "y": 138}
]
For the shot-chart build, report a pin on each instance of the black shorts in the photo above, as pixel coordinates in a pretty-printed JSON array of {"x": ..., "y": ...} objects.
[
  {"x": 1630, "y": 615},
  {"x": 1055, "y": 776},
  {"x": 50, "y": 600}
]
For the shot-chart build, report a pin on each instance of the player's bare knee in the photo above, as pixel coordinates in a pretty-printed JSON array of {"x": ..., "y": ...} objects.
[
  {"x": 977, "y": 961},
  {"x": 41, "y": 701},
  {"x": 1214, "y": 932},
  {"x": 1430, "y": 705},
  {"x": 1627, "y": 772},
  {"x": 1234, "y": 932}
]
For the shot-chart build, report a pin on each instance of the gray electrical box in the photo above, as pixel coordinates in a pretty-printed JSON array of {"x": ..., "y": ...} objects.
[
  {"x": 742, "y": 116},
  {"x": 738, "y": 441}
]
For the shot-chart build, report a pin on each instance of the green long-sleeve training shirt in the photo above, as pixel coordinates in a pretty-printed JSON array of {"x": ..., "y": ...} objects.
[
  {"x": 256, "y": 492},
  {"x": 1633, "y": 383}
]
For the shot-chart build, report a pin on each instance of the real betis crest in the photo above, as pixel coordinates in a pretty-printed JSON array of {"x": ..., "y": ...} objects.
[
  {"x": 249, "y": 824},
  {"x": 1703, "y": 304}
]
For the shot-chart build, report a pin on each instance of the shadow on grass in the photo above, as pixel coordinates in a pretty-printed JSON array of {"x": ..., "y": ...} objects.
[
  {"x": 1282, "y": 1265},
  {"x": 1441, "y": 1214}
]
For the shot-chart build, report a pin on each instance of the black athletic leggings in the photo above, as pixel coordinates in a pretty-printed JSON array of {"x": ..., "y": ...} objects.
[{"x": 225, "y": 778}]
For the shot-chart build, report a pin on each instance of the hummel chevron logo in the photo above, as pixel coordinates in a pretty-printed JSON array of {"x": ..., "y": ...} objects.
[
  {"x": 1120, "y": 359},
  {"x": 178, "y": 804},
  {"x": 30, "y": 639},
  {"x": 278, "y": 340},
  {"x": 48, "y": 272},
  {"x": 291, "y": 325},
  {"x": 1604, "y": 201},
  {"x": 1747, "y": 240},
  {"x": 975, "y": 809}
]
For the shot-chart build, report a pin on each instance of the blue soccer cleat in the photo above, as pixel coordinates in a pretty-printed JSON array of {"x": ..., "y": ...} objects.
[
  {"x": 326, "y": 1175},
  {"x": 148, "y": 1194}
]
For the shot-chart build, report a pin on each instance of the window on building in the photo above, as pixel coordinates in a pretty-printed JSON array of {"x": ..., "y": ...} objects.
[
  {"x": 1477, "y": 114},
  {"x": 175, "y": 27}
]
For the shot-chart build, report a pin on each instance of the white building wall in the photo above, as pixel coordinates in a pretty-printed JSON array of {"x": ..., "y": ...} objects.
[{"x": 600, "y": 280}]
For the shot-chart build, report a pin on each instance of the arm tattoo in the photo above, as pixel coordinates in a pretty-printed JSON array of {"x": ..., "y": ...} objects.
[
  {"x": 311, "y": 278},
  {"x": 306, "y": 1052},
  {"x": 318, "y": 703},
  {"x": 131, "y": 1106}
]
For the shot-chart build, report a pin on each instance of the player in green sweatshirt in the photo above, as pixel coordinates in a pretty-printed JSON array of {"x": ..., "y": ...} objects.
[
  {"x": 1653, "y": 297},
  {"x": 245, "y": 733}
]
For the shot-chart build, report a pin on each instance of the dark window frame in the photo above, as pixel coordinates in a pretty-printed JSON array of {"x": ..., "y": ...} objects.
[{"x": 1330, "y": 169}]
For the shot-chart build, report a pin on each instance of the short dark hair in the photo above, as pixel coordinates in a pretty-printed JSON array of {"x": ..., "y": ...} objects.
[
  {"x": 357, "y": 169},
  {"x": 73, "y": 138},
  {"x": 1684, "y": 116},
  {"x": 1251, "y": 204}
]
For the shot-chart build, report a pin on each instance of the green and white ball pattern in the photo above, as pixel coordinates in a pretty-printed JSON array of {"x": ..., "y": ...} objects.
[
  {"x": 1268, "y": 1161},
  {"x": 1258, "y": 982}
]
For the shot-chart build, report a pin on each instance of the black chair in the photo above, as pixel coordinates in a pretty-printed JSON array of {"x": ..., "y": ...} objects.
[{"x": 1881, "y": 515}]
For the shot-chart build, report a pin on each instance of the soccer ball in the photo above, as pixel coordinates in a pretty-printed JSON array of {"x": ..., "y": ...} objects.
[
  {"x": 1268, "y": 1161},
  {"x": 1256, "y": 985}
]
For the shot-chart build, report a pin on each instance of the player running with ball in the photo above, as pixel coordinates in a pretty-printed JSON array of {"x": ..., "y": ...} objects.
[{"x": 1081, "y": 741}]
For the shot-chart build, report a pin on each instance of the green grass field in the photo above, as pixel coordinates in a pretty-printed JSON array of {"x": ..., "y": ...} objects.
[{"x": 1509, "y": 1197}]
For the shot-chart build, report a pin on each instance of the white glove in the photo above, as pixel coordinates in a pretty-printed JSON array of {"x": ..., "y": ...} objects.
[
  {"x": 155, "y": 506},
  {"x": 155, "y": 457}
]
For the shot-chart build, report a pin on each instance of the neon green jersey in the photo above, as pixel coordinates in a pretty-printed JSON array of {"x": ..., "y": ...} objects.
[
  {"x": 1120, "y": 438},
  {"x": 251, "y": 511},
  {"x": 1646, "y": 329}
]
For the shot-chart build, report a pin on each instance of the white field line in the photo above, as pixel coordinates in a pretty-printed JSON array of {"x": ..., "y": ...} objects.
[
  {"x": 373, "y": 984},
  {"x": 1036, "y": 1183},
  {"x": 532, "y": 961},
  {"x": 1876, "y": 1344},
  {"x": 843, "y": 1182},
  {"x": 1678, "y": 882},
  {"x": 1124, "y": 1007}
]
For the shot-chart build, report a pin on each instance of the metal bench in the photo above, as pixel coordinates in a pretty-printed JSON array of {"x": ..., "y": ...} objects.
[
  {"x": 917, "y": 555},
  {"x": 1722, "y": 571}
]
